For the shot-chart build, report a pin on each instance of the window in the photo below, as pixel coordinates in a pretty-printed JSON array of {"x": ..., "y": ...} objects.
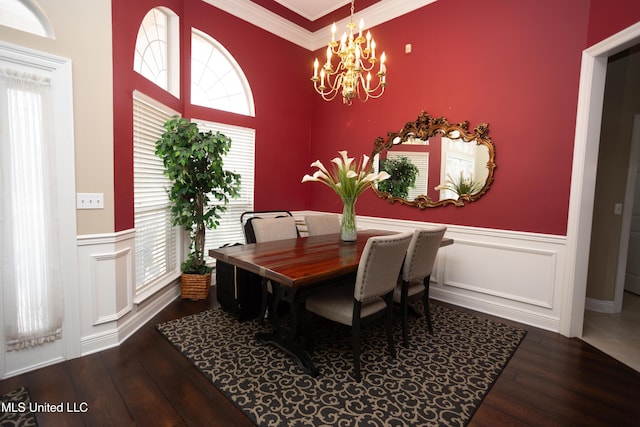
[
  {"x": 459, "y": 159},
  {"x": 31, "y": 233},
  {"x": 156, "y": 239},
  {"x": 157, "y": 49},
  {"x": 25, "y": 15},
  {"x": 217, "y": 81},
  {"x": 239, "y": 159}
]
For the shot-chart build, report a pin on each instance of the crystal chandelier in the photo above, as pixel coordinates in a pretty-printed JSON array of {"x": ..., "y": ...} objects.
[{"x": 357, "y": 55}]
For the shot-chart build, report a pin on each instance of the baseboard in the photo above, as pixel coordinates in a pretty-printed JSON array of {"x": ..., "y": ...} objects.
[{"x": 600, "y": 306}]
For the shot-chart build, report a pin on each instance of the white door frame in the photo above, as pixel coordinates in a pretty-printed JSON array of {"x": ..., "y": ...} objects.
[
  {"x": 59, "y": 70},
  {"x": 583, "y": 177}
]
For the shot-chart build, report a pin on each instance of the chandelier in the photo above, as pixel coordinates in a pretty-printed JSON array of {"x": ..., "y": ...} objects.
[{"x": 357, "y": 55}]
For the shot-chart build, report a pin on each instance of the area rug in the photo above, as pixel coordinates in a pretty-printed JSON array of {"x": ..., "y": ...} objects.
[
  {"x": 15, "y": 409},
  {"x": 440, "y": 380}
]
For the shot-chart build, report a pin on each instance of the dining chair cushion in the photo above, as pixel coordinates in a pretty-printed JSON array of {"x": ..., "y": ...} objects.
[
  {"x": 269, "y": 229},
  {"x": 322, "y": 224},
  {"x": 337, "y": 305},
  {"x": 415, "y": 288}
]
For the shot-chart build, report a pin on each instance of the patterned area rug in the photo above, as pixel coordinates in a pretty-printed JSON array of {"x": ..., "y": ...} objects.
[
  {"x": 440, "y": 380},
  {"x": 14, "y": 409}
]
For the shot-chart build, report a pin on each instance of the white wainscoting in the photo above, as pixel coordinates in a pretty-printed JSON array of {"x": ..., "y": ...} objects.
[
  {"x": 108, "y": 314},
  {"x": 514, "y": 275}
]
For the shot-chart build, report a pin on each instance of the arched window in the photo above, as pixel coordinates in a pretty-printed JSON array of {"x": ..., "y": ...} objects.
[
  {"x": 217, "y": 81},
  {"x": 157, "y": 49},
  {"x": 25, "y": 15}
]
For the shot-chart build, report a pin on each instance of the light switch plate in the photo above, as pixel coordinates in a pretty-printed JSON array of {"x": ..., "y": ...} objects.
[{"x": 90, "y": 200}]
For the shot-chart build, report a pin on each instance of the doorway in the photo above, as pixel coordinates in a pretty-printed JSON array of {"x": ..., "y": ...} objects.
[
  {"x": 581, "y": 201},
  {"x": 612, "y": 315}
]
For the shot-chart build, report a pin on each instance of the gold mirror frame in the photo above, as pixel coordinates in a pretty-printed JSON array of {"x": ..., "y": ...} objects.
[{"x": 425, "y": 127}]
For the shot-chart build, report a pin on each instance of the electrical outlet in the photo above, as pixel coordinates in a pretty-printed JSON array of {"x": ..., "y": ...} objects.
[
  {"x": 617, "y": 209},
  {"x": 90, "y": 200}
]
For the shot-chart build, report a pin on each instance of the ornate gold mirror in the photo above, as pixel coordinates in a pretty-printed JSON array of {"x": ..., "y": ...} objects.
[{"x": 435, "y": 163}]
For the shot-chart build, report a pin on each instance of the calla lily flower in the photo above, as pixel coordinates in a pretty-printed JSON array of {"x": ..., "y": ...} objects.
[{"x": 347, "y": 178}]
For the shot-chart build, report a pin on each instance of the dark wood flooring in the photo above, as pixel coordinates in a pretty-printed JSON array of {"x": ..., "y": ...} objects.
[{"x": 550, "y": 381}]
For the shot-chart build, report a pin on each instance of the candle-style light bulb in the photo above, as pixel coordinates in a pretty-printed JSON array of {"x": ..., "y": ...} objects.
[
  {"x": 361, "y": 27},
  {"x": 315, "y": 68},
  {"x": 373, "y": 49},
  {"x": 333, "y": 32}
]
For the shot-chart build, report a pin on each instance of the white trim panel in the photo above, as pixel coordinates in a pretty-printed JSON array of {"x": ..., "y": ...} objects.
[
  {"x": 107, "y": 311},
  {"x": 525, "y": 275},
  {"x": 107, "y": 269}
]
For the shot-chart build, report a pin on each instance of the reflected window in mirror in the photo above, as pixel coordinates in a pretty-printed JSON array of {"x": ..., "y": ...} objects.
[{"x": 434, "y": 163}]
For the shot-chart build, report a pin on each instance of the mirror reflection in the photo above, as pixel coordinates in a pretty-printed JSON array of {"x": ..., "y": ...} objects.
[{"x": 434, "y": 163}]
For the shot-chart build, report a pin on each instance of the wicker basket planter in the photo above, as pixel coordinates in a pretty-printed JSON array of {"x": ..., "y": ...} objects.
[{"x": 195, "y": 286}]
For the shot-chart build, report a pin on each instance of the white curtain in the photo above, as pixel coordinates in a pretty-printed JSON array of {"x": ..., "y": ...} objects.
[{"x": 30, "y": 252}]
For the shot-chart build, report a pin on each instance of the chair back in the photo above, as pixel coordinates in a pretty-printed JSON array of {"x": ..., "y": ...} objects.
[
  {"x": 268, "y": 229},
  {"x": 322, "y": 224},
  {"x": 380, "y": 265},
  {"x": 246, "y": 220},
  {"x": 422, "y": 252}
]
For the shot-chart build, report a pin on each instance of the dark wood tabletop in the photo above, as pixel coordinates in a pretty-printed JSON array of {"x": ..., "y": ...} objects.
[{"x": 299, "y": 262}]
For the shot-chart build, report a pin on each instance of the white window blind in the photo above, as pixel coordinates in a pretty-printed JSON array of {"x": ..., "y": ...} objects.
[
  {"x": 156, "y": 239},
  {"x": 240, "y": 159}
]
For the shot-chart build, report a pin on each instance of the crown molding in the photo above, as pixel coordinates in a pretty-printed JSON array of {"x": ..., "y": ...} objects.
[{"x": 377, "y": 14}]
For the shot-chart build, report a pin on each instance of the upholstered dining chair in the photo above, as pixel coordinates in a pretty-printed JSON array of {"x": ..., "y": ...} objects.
[
  {"x": 266, "y": 230},
  {"x": 371, "y": 297},
  {"x": 322, "y": 224},
  {"x": 416, "y": 274}
]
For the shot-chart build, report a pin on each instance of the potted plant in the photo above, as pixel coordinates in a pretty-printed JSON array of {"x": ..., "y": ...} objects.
[{"x": 200, "y": 190}]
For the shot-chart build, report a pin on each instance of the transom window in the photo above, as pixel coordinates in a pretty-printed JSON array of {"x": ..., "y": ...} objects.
[
  {"x": 25, "y": 15},
  {"x": 157, "y": 49},
  {"x": 217, "y": 81}
]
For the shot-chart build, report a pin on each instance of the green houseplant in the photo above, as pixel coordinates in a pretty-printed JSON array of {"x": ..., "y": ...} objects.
[
  {"x": 403, "y": 175},
  {"x": 200, "y": 190}
]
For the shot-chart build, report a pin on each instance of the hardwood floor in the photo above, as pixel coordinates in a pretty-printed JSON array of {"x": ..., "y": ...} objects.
[{"x": 550, "y": 381}]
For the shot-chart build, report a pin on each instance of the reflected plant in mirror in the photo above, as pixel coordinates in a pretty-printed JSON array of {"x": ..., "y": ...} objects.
[
  {"x": 436, "y": 163},
  {"x": 402, "y": 176}
]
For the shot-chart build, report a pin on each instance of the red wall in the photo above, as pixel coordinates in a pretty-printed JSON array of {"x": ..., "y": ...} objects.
[
  {"x": 607, "y": 17},
  {"x": 515, "y": 65},
  {"x": 512, "y": 64},
  {"x": 280, "y": 91}
]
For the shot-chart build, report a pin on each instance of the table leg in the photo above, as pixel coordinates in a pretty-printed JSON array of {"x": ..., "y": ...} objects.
[{"x": 284, "y": 338}]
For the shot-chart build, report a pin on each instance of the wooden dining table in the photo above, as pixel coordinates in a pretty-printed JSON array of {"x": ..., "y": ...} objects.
[{"x": 296, "y": 267}]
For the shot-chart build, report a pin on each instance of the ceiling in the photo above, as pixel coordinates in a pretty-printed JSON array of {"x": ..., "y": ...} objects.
[
  {"x": 307, "y": 22},
  {"x": 312, "y": 10}
]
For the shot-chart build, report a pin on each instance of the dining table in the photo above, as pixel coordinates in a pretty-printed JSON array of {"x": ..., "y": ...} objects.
[{"x": 296, "y": 267}]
